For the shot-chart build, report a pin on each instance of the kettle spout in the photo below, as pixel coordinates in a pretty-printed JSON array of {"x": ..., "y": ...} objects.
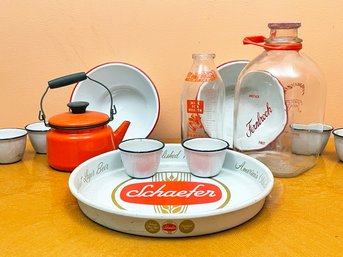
[{"x": 120, "y": 133}]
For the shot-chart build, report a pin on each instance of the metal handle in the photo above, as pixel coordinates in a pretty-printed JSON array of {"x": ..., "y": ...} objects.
[{"x": 68, "y": 80}]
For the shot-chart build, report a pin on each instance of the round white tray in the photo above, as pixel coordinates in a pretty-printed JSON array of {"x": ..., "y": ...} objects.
[{"x": 173, "y": 203}]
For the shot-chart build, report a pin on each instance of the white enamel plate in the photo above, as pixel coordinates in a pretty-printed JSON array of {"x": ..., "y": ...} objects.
[
  {"x": 261, "y": 113},
  {"x": 229, "y": 72},
  {"x": 172, "y": 203},
  {"x": 134, "y": 96}
]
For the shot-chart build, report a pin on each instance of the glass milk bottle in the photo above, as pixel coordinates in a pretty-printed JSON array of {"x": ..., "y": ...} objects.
[
  {"x": 280, "y": 103},
  {"x": 202, "y": 101}
]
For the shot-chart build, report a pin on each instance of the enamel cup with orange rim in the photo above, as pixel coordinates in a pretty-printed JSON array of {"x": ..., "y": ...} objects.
[{"x": 79, "y": 135}]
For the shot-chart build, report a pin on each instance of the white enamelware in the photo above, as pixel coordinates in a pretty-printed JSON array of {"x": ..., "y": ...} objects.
[
  {"x": 229, "y": 73},
  {"x": 338, "y": 139},
  {"x": 261, "y": 113},
  {"x": 37, "y": 134},
  {"x": 173, "y": 202},
  {"x": 205, "y": 156},
  {"x": 134, "y": 95},
  {"x": 310, "y": 139},
  {"x": 141, "y": 156},
  {"x": 12, "y": 145}
]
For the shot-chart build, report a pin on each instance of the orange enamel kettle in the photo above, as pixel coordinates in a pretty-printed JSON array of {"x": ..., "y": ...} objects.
[{"x": 79, "y": 135}]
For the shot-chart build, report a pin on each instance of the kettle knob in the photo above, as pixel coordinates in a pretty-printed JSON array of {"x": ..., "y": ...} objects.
[{"x": 78, "y": 106}]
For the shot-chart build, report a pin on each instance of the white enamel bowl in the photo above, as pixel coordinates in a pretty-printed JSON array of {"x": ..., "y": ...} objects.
[
  {"x": 134, "y": 96},
  {"x": 141, "y": 156},
  {"x": 205, "y": 156},
  {"x": 261, "y": 112},
  {"x": 338, "y": 138},
  {"x": 37, "y": 133},
  {"x": 12, "y": 145},
  {"x": 229, "y": 73},
  {"x": 310, "y": 139}
]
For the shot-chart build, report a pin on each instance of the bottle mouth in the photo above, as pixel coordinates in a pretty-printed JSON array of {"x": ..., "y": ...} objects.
[
  {"x": 284, "y": 34},
  {"x": 203, "y": 56},
  {"x": 284, "y": 25}
]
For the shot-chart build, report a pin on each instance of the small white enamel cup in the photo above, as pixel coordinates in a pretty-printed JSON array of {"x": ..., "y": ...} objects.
[
  {"x": 338, "y": 138},
  {"x": 37, "y": 133},
  {"x": 310, "y": 139},
  {"x": 141, "y": 156},
  {"x": 205, "y": 156},
  {"x": 12, "y": 145}
]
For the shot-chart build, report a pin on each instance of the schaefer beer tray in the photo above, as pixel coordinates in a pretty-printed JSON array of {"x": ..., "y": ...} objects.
[{"x": 172, "y": 203}]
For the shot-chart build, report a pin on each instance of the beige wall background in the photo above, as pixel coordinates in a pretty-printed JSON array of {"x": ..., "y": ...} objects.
[{"x": 44, "y": 39}]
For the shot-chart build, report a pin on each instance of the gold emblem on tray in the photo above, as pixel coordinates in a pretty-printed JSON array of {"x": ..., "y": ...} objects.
[
  {"x": 186, "y": 226},
  {"x": 152, "y": 226}
]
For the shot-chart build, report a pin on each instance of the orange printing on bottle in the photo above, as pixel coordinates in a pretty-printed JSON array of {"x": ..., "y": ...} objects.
[
  {"x": 201, "y": 77},
  {"x": 194, "y": 122},
  {"x": 195, "y": 106}
]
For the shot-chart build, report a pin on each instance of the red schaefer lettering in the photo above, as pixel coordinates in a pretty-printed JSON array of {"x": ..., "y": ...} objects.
[
  {"x": 171, "y": 193},
  {"x": 253, "y": 126}
]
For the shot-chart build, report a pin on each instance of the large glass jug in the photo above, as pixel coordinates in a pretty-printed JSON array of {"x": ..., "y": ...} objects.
[{"x": 279, "y": 95}]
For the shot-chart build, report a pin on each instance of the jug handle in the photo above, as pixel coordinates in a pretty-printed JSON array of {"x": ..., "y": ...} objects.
[
  {"x": 254, "y": 40},
  {"x": 260, "y": 41}
]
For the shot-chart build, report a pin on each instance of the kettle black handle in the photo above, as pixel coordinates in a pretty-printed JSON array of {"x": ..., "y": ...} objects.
[{"x": 67, "y": 80}]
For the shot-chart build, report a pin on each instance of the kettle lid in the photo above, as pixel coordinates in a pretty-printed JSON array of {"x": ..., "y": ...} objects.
[{"x": 78, "y": 117}]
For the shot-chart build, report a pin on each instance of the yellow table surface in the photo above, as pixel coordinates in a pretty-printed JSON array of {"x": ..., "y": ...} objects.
[{"x": 302, "y": 216}]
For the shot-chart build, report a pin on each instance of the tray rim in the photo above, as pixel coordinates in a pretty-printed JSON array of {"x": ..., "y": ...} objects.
[{"x": 80, "y": 197}]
